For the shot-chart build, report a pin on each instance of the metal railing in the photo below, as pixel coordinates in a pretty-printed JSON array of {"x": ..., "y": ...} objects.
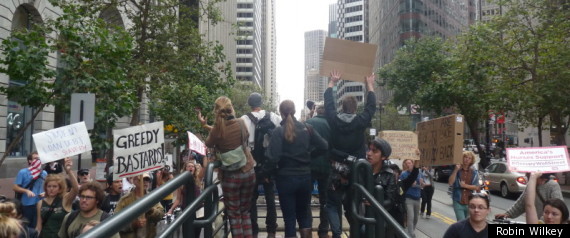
[
  {"x": 187, "y": 219},
  {"x": 376, "y": 220}
]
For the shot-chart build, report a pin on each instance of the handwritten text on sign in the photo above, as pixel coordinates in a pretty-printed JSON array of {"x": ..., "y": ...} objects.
[
  {"x": 62, "y": 142},
  {"x": 196, "y": 144},
  {"x": 404, "y": 144},
  {"x": 138, "y": 149},
  {"x": 441, "y": 140},
  {"x": 543, "y": 159}
]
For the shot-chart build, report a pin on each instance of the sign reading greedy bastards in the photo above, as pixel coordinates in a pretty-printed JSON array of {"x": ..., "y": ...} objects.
[{"x": 138, "y": 149}]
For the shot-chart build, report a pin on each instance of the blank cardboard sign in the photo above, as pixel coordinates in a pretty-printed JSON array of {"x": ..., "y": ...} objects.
[{"x": 354, "y": 60}]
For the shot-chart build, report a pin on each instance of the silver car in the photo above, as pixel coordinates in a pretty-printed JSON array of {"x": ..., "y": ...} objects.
[{"x": 498, "y": 177}]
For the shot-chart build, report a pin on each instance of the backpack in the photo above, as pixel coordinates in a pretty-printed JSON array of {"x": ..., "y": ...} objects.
[
  {"x": 74, "y": 214},
  {"x": 263, "y": 129}
]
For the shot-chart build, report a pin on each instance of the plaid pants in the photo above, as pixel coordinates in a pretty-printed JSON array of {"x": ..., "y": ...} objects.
[{"x": 238, "y": 191}]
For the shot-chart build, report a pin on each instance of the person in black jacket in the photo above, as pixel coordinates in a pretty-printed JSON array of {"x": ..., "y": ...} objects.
[
  {"x": 347, "y": 140},
  {"x": 289, "y": 152}
]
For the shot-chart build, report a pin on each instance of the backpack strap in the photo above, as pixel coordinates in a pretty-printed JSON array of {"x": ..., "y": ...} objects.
[
  {"x": 252, "y": 118},
  {"x": 71, "y": 217}
]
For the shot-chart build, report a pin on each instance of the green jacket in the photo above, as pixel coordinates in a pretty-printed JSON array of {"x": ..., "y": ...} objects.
[
  {"x": 153, "y": 216},
  {"x": 321, "y": 164}
]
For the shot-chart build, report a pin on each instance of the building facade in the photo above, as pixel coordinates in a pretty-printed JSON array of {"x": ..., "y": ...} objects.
[{"x": 315, "y": 84}]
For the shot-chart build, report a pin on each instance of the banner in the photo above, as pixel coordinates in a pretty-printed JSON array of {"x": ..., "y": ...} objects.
[
  {"x": 196, "y": 144},
  {"x": 138, "y": 149},
  {"x": 404, "y": 144},
  {"x": 441, "y": 140},
  {"x": 538, "y": 159},
  {"x": 62, "y": 142}
]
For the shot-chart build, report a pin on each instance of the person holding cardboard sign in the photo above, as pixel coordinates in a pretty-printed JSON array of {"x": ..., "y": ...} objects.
[{"x": 347, "y": 141}]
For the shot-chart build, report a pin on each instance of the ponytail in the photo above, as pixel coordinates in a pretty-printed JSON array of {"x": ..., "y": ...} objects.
[
  {"x": 223, "y": 109},
  {"x": 290, "y": 129}
]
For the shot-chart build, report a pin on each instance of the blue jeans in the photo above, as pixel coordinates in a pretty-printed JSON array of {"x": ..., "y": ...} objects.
[
  {"x": 461, "y": 211},
  {"x": 30, "y": 213},
  {"x": 295, "y": 199},
  {"x": 334, "y": 211},
  {"x": 323, "y": 184},
  {"x": 271, "y": 218}
]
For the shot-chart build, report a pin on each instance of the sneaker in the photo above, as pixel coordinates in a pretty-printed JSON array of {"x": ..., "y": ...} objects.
[
  {"x": 428, "y": 217},
  {"x": 422, "y": 215}
]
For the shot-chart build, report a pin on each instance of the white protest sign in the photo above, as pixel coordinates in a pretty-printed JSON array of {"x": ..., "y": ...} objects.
[
  {"x": 168, "y": 161},
  {"x": 138, "y": 149},
  {"x": 535, "y": 159},
  {"x": 196, "y": 144},
  {"x": 62, "y": 142}
]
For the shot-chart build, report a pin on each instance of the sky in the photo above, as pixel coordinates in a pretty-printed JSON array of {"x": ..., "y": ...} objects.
[{"x": 293, "y": 19}]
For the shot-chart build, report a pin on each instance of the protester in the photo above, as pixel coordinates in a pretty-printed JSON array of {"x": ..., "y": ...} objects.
[
  {"x": 321, "y": 166},
  {"x": 476, "y": 223},
  {"x": 412, "y": 195},
  {"x": 91, "y": 197},
  {"x": 426, "y": 181},
  {"x": 113, "y": 194},
  {"x": 464, "y": 180},
  {"x": 288, "y": 151},
  {"x": 29, "y": 182},
  {"x": 57, "y": 202},
  {"x": 54, "y": 167},
  {"x": 229, "y": 136},
  {"x": 259, "y": 121},
  {"x": 13, "y": 209},
  {"x": 546, "y": 189},
  {"x": 145, "y": 225},
  {"x": 10, "y": 227},
  {"x": 162, "y": 177},
  {"x": 83, "y": 176},
  {"x": 379, "y": 151},
  {"x": 347, "y": 139},
  {"x": 555, "y": 210},
  {"x": 194, "y": 168}
]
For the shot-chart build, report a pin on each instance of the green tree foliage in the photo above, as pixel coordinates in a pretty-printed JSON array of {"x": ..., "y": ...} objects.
[
  {"x": 390, "y": 119},
  {"x": 240, "y": 93},
  {"x": 90, "y": 59}
]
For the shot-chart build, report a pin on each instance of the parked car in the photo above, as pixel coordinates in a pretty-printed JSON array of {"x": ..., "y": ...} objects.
[
  {"x": 442, "y": 172},
  {"x": 498, "y": 177}
]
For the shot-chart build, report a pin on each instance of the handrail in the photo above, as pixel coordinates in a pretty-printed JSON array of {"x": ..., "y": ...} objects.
[{"x": 115, "y": 223}]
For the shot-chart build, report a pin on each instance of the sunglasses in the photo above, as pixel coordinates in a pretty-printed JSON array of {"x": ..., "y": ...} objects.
[
  {"x": 479, "y": 195},
  {"x": 83, "y": 173}
]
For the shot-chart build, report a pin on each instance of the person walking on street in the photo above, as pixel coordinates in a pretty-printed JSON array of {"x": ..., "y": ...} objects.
[
  {"x": 259, "y": 123},
  {"x": 229, "y": 137},
  {"x": 412, "y": 196},
  {"x": 347, "y": 140},
  {"x": 464, "y": 180},
  {"x": 288, "y": 152},
  {"x": 426, "y": 181},
  {"x": 30, "y": 184},
  {"x": 321, "y": 167}
]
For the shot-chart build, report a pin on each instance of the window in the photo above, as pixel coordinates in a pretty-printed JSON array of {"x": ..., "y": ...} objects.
[
  {"x": 353, "y": 19},
  {"x": 244, "y": 5},
  {"x": 245, "y": 42},
  {"x": 16, "y": 118},
  {"x": 354, "y": 38},
  {"x": 245, "y": 14},
  {"x": 244, "y": 51},
  {"x": 353, "y": 28},
  {"x": 244, "y": 69},
  {"x": 353, "y": 9},
  {"x": 244, "y": 60}
]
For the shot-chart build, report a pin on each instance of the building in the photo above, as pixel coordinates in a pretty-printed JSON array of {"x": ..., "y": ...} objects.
[
  {"x": 352, "y": 24},
  {"x": 315, "y": 84},
  {"x": 333, "y": 20},
  {"x": 269, "y": 49}
]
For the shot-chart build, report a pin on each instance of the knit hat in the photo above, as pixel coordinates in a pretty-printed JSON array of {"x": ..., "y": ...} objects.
[
  {"x": 383, "y": 146},
  {"x": 254, "y": 100}
]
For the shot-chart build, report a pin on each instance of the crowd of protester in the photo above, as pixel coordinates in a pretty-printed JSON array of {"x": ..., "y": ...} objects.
[{"x": 264, "y": 149}]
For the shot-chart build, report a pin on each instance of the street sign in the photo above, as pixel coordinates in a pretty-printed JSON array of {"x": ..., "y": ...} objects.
[{"x": 83, "y": 109}]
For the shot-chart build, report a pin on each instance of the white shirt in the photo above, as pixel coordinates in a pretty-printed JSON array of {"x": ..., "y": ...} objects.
[{"x": 251, "y": 128}]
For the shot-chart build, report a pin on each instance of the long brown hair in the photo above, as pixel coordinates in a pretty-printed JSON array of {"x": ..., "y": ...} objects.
[
  {"x": 60, "y": 180},
  {"x": 287, "y": 109},
  {"x": 222, "y": 109}
]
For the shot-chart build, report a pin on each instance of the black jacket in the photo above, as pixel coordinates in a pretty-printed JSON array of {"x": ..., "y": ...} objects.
[
  {"x": 347, "y": 130},
  {"x": 387, "y": 180},
  {"x": 293, "y": 158}
]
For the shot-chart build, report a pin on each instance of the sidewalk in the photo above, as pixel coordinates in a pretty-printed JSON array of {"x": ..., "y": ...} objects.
[{"x": 565, "y": 190}]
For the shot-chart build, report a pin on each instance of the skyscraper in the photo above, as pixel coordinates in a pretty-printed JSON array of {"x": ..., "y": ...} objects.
[{"x": 315, "y": 84}]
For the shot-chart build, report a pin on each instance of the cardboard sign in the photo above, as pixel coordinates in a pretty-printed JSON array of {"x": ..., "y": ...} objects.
[
  {"x": 195, "y": 144},
  {"x": 62, "y": 142},
  {"x": 538, "y": 159},
  {"x": 138, "y": 149},
  {"x": 441, "y": 140},
  {"x": 354, "y": 60},
  {"x": 404, "y": 144}
]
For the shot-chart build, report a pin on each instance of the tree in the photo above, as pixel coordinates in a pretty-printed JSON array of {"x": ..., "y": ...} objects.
[
  {"x": 240, "y": 93},
  {"x": 390, "y": 119},
  {"x": 91, "y": 56}
]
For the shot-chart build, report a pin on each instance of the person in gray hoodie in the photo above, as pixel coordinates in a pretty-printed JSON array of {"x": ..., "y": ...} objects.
[{"x": 347, "y": 140}]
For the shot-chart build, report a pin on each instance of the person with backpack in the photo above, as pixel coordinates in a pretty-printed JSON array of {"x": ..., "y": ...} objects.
[
  {"x": 290, "y": 159},
  {"x": 91, "y": 197},
  {"x": 29, "y": 187},
  {"x": 347, "y": 141},
  {"x": 260, "y": 123},
  {"x": 57, "y": 202}
]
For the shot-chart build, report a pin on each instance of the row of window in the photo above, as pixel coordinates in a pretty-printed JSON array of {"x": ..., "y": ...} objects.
[
  {"x": 245, "y": 51},
  {"x": 351, "y": 1},
  {"x": 245, "y": 42},
  {"x": 353, "y": 19},
  {"x": 353, "y": 29},
  {"x": 244, "y": 69},
  {"x": 244, "y": 60},
  {"x": 244, "y": 5},
  {"x": 353, "y": 9},
  {"x": 354, "y": 38},
  {"x": 245, "y": 23},
  {"x": 245, "y": 14}
]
